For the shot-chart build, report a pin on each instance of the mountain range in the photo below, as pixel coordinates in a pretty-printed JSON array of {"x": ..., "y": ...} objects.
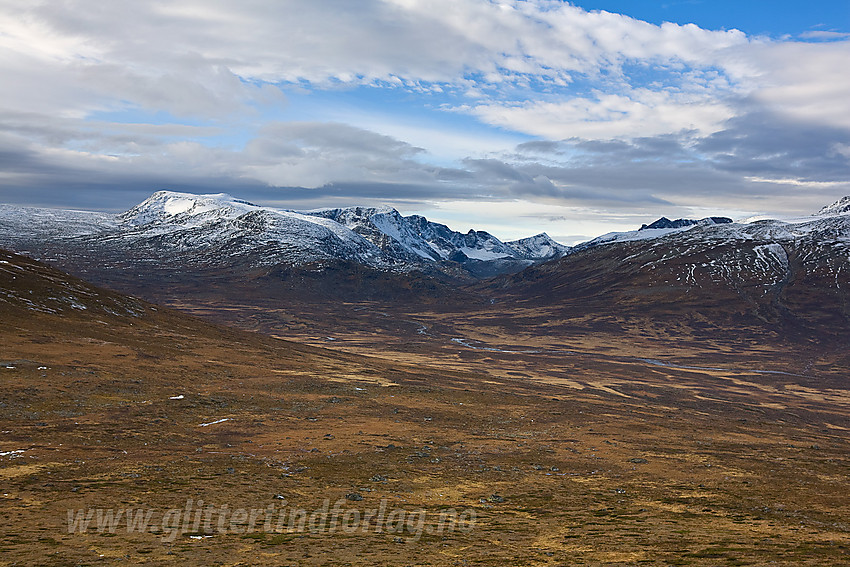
[
  {"x": 791, "y": 274},
  {"x": 177, "y": 245},
  {"x": 219, "y": 231}
]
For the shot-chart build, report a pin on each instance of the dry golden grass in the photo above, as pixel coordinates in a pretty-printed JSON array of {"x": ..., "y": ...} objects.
[{"x": 596, "y": 459}]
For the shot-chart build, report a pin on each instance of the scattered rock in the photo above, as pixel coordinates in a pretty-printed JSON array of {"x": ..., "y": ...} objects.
[
  {"x": 354, "y": 496},
  {"x": 378, "y": 478},
  {"x": 496, "y": 499},
  {"x": 638, "y": 460}
]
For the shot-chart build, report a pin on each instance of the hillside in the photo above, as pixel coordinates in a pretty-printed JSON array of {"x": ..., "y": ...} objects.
[{"x": 791, "y": 275}]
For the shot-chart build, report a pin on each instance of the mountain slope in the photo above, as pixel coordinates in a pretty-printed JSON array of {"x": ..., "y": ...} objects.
[
  {"x": 793, "y": 272},
  {"x": 540, "y": 246},
  {"x": 171, "y": 236},
  {"x": 415, "y": 238}
]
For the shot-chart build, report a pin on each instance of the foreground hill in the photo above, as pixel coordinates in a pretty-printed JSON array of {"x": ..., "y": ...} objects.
[{"x": 112, "y": 408}]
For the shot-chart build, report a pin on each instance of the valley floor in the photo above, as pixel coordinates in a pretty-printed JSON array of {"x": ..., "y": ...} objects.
[{"x": 576, "y": 453}]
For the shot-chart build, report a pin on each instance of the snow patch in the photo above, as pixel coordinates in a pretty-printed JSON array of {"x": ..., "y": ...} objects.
[
  {"x": 11, "y": 453},
  {"x": 214, "y": 422},
  {"x": 481, "y": 254}
]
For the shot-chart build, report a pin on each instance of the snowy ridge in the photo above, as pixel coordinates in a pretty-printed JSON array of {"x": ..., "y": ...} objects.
[
  {"x": 176, "y": 231},
  {"x": 423, "y": 239},
  {"x": 839, "y": 207},
  {"x": 385, "y": 228},
  {"x": 53, "y": 222},
  {"x": 664, "y": 222},
  {"x": 540, "y": 246},
  {"x": 219, "y": 230},
  {"x": 829, "y": 220},
  {"x": 179, "y": 208},
  {"x": 757, "y": 253}
]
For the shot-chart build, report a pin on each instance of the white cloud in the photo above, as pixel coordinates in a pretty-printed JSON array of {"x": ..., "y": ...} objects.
[
  {"x": 212, "y": 58},
  {"x": 800, "y": 182},
  {"x": 198, "y": 50},
  {"x": 824, "y": 35},
  {"x": 748, "y": 110},
  {"x": 805, "y": 81},
  {"x": 316, "y": 154},
  {"x": 610, "y": 116}
]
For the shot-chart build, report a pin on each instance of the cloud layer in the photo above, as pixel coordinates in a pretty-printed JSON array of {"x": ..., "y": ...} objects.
[{"x": 102, "y": 105}]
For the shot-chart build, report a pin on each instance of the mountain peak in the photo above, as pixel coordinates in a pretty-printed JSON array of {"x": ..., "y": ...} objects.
[
  {"x": 542, "y": 237},
  {"x": 217, "y": 230},
  {"x": 539, "y": 246},
  {"x": 664, "y": 222},
  {"x": 841, "y": 206},
  {"x": 357, "y": 211},
  {"x": 165, "y": 204}
]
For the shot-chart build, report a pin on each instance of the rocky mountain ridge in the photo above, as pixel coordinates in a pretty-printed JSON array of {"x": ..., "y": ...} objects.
[{"x": 219, "y": 231}]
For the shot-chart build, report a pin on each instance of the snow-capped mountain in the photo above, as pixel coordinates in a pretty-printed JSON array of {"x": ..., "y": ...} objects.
[
  {"x": 831, "y": 222},
  {"x": 540, "y": 246},
  {"x": 839, "y": 207},
  {"x": 210, "y": 230},
  {"x": 415, "y": 239},
  {"x": 656, "y": 229},
  {"x": 664, "y": 222},
  {"x": 185, "y": 231},
  {"x": 789, "y": 270}
]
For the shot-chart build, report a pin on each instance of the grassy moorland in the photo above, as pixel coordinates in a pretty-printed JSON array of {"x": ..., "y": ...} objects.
[{"x": 586, "y": 457}]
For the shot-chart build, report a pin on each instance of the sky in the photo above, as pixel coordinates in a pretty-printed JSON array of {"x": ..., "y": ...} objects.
[{"x": 512, "y": 116}]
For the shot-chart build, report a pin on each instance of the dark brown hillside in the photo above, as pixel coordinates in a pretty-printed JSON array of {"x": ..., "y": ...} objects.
[{"x": 789, "y": 288}]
